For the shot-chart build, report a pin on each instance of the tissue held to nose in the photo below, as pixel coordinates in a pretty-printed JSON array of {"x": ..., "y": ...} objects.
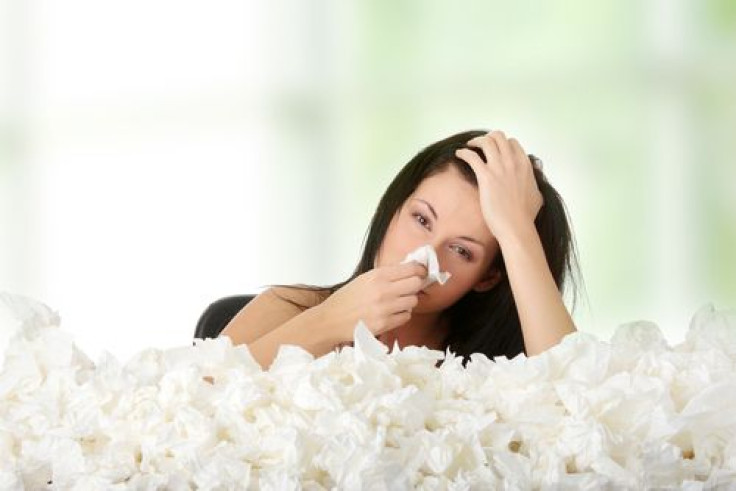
[{"x": 427, "y": 256}]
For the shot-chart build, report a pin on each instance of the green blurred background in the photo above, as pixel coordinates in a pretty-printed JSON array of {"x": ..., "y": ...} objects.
[{"x": 155, "y": 156}]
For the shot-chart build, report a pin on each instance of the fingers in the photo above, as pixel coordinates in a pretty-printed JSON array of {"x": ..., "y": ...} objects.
[
  {"x": 393, "y": 314},
  {"x": 404, "y": 304},
  {"x": 504, "y": 147},
  {"x": 497, "y": 149},
  {"x": 470, "y": 157},
  {"x": 400, "y": 312},
  {"x": 518, "y": 150},
  {"x": 521, "y": 156},
  {"x": 473, "y": 160},
  {"x": 488, "y": 145},
  {"x": 405, "y": 270},
  {"x": 406, "y": 286}
]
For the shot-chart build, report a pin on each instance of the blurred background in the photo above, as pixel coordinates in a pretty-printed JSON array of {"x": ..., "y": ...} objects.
[{"x": 157, "y": 155}]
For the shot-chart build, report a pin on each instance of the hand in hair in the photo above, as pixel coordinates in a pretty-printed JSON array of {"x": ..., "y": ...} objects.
[
  {"x": 509, "y": 195},
  {"x": 510, "y": 201}
]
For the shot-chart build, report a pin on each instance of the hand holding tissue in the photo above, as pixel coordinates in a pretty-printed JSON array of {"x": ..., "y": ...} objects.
[
  {"x": 428, "y": 257},
  {"x": 380, "y": 298}
]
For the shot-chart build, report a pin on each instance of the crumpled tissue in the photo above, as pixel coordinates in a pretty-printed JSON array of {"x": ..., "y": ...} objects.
[
  {"x": 632, "y": 413},
  {"x": 427, "y": 256}
]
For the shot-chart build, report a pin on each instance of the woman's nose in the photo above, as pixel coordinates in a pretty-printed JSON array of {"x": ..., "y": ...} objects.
[{"x": 441, "y": 252}]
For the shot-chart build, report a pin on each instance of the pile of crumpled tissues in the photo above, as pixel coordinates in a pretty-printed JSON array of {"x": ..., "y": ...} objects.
[{"x": 632, "y": 413}]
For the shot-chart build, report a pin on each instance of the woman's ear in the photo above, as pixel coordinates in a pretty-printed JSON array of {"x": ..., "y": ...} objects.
[{"x": 489, "y": 280}]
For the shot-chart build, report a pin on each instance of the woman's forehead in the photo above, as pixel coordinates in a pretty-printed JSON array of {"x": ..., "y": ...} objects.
[
  {"x": 455, "y": 201},
  {"x": 447, "y": 185}
]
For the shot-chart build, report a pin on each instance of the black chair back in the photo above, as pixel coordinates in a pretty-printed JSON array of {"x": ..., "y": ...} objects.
[{"x": 215, "y": 317}]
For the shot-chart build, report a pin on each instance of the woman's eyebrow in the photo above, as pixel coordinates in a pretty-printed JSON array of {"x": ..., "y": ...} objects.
[
  {"x": 469, "y": 239},
  {"x": 475, "y": 241},
  {"x": 428, "y": 206}
]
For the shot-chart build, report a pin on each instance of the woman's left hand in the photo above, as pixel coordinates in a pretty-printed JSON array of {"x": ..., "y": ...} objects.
[
  {"x": 510, "y": 201},
  {"x": 509, "y": 195}
]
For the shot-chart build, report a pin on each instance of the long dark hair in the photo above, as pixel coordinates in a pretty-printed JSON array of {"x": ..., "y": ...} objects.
[{"x": 480, "y": 322}]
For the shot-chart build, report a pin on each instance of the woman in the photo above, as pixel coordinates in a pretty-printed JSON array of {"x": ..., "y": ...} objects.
[{"x": 496, "y": 225}]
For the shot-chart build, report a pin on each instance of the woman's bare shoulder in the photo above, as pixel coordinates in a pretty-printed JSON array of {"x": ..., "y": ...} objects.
[
  {"x": 269, "y": 310},
  {"x": 298, "y": 294}
]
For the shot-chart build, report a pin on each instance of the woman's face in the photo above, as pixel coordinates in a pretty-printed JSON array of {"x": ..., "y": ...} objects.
[{"x": 444, "y": 212}]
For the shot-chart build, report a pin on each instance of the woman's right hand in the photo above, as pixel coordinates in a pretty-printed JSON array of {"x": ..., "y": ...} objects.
[{"x": 382, "y": 298}]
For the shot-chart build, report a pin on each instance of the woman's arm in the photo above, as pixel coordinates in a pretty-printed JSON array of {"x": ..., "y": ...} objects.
[
  {"x": 269, "y": 320},
  {"x": 510, "y": 201},
  {"x": 544, "y": 318},
  {"x": 382, "y": 298}
]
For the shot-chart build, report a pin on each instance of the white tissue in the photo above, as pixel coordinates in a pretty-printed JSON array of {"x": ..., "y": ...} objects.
[
  {"x": 428, "y": 257},
  {"x": 18, "y": 313},
  {"x": 634, "y": 413}
]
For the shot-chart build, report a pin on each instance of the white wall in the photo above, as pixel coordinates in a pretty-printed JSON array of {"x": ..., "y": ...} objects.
[{"x": 155, "y": 156}]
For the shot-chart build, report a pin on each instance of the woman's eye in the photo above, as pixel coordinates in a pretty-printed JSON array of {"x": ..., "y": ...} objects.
[
  {"x": 422, "y": 220},
  {"x": 463, "y": 252}
]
